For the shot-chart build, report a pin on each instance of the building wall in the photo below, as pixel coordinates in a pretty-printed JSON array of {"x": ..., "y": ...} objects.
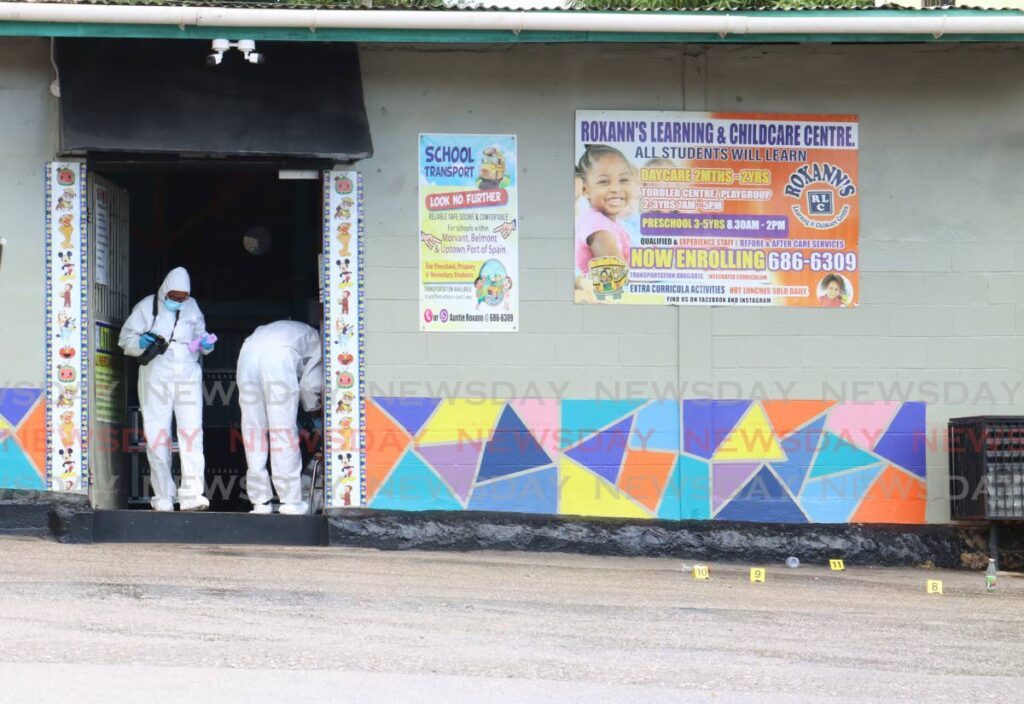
[
  {"x": 27, "y": 139},
  {"x": 942, "y": 264}
]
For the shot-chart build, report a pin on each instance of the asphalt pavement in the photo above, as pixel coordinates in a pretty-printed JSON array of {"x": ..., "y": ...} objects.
[{"x": 166, "y": 623}]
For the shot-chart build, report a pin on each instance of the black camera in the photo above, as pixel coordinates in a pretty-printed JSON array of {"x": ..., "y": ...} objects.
[{"x": 157, "y": 348}]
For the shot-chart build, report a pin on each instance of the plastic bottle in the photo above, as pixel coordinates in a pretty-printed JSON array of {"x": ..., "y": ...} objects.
[
  {"x": 990, "y": 575},
  {"x": 792, "y": 562}
]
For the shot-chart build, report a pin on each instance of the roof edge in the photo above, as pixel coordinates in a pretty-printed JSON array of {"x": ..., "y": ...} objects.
[{"x": 497, "y": 26}]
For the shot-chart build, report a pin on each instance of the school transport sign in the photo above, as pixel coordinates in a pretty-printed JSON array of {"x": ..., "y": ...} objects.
[
  {"x": 469, "y": 233},
  {"x": 696, "y": 208}
]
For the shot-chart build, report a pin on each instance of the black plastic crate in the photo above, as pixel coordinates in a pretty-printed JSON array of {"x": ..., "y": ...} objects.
[{"x": 986, "y": 467}]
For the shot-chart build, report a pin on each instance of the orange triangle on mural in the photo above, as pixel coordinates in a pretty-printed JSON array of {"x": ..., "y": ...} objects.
[
  {"x": 385, "y": 444},
  {"x": 644, "y": 474},
  {"x": 894, "y": 497},
  {"x": 31, "y": 435},
  {"x": 788, "y": 416}
]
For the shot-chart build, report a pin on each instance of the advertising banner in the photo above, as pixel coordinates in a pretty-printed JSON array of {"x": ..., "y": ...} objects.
[
  {"x": 697, "y": 208},
  {"x": 469, "y": 238},
  {"x": 108, "y": 376},
  {"x": 101, "y": 211}
]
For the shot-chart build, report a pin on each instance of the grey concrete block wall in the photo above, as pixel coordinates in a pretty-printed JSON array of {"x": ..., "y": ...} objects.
[
  {"x": 942, "y": 257},
  {"x": 942, "y": 279},
  {"x": 27, "y": 139}
]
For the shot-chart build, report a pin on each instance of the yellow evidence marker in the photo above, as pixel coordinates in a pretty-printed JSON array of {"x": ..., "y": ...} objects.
[
  {"x": 836, "y": 565},
  {"x": 701, "y": 572},
  {"x": 757, "y": 574},
  {"x": 934, "y": 586}
]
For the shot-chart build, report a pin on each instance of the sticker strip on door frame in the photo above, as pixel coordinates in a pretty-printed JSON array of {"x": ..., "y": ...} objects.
[
  {"x": 344, "y": 421},
  {"x": 67, "y": 328}
]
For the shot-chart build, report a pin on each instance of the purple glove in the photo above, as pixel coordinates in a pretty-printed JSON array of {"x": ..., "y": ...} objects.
[{"x": 206, "y": 342}]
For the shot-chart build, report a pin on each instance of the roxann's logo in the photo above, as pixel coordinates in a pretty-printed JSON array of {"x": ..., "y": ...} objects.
[{"x": 823, "y": 185}]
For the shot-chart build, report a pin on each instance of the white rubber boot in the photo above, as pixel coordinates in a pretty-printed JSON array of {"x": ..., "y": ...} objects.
[{"x": 198, "y": 503}]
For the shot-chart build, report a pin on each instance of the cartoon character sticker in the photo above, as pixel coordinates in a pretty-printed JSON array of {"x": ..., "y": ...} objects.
[
  {"x": 345, "y": 402},
  {"x": 65, "y": 176},
  {"x": 344, "y": 209},
  {"x": 69, "y": 472},
  {"x": 66, "y": 429},
  {"x": 345, "y": 238},
  {"x": 67, "y": 265},
  {"x": 68, "y": 394},
  {"x": 66, "y": 229},
  {"x": 345, "y": 434},
  {"x": 345, "y": 273},
  {"x": 67, "y": 200},
  {"x": 67, "y": 328}
]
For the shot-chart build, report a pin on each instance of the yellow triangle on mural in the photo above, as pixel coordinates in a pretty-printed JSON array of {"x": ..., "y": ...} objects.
[
  {"x": 583, "y": 493},
  {"x": 461, "y": 420},
  {"x": 751, "y": 439}
]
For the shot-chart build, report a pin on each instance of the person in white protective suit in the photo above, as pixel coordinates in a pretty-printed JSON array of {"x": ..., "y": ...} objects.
[
  {"x": 171, "y": 384},
  {"x": 279, "y": 366}
]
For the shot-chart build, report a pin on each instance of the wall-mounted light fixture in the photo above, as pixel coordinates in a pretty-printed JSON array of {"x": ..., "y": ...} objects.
[{"x": 222, "y": 46}]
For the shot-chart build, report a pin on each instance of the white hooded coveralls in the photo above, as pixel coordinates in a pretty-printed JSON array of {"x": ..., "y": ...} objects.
[
  {"x": 170, "y": 384},
  {"x": 279, "y": 365}
]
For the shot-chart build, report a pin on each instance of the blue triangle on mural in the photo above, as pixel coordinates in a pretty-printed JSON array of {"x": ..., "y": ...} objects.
[
  {"x": 411, "y": 413},
  {"x": 512, "y": 449},
  {"x": 413, "y": 486},
  {"x": 15, "y": 403},
  {"x": 602, "y": 453},
  {"x": 834, "y": 499},
  {"x": 837, "y": 455},
  {"x": 532, "y": 492},
  {"x": 706, "y": 423},
  {"x": 799, "y": 448},
  {"x": 16, "y": 470},
  {"x": 582, "y": 418},
  {"x": 657, "y": 427},
  {"x": 763, "y": 500},
  {"x": 904, "y": 442}
]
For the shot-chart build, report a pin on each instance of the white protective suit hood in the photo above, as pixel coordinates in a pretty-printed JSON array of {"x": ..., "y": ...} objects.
[
  {"x": 177, "y": 279},
  {"x": 179, "y": 329}
]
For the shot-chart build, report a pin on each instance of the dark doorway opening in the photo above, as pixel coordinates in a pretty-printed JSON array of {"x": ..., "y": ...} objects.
[{"x": 251, "y": 241}]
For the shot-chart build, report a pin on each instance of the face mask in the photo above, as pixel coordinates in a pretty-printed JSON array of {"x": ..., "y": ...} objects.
[{"x": 173, "y": 306}]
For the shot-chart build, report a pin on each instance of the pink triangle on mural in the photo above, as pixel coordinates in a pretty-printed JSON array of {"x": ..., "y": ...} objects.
[
  {"x": 455, "y": 463},
  {"x": 727, "y": 478}
]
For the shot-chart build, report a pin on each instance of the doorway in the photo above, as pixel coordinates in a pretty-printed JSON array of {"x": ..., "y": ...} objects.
[{"x": 251, "y": 241}]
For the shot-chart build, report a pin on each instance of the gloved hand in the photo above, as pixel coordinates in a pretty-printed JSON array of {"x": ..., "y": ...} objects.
[
  {"x": 208, "y": 342},
  {"x": 145, "y": 340}
]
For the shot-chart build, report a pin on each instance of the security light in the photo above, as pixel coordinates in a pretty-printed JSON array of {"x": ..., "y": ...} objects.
[{"x": 247, "y": 47}]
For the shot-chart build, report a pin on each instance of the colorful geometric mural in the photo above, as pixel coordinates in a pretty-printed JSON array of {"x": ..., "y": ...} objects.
[
  {"x": 22, "y": 439},
  {"x": 764, "y": 461}
]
